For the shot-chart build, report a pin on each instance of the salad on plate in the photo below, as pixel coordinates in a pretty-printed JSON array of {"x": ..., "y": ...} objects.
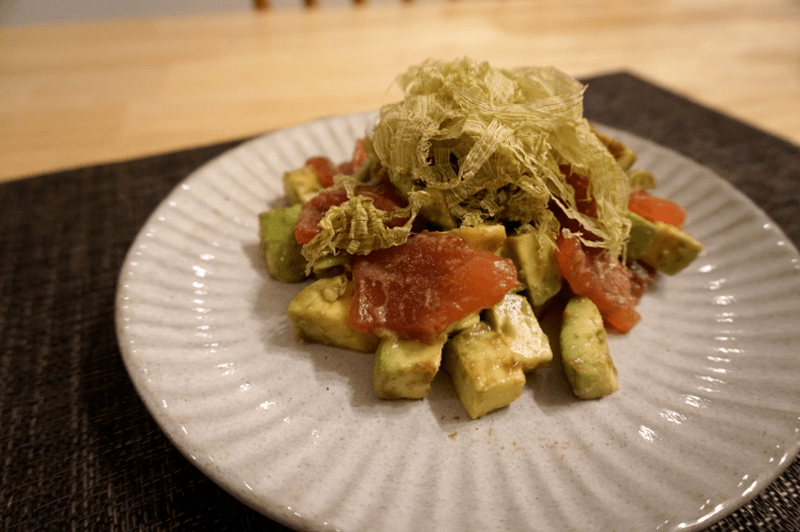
[{"x": 479, "y": 204}]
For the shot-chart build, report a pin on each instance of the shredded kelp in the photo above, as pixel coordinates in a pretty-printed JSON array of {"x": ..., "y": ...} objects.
[
  {"x": 492, "y": 142},
  {"x": 358, "y": 227}
]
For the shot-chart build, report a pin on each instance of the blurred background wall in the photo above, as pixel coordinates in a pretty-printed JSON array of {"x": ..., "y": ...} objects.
[
  {"x": 24, "y": 12},
  {"x": 28, "y": 12}
]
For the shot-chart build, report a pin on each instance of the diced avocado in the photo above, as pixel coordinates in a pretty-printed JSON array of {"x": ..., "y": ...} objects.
[
  {"x": 331, "y": 265},
  {"x": 320, "y": 314},
  {"x": 488, "y": 237},
  {"x": 485, "y": 372},
  {"x": 584, "y": 350},
  {"x": 641, "y": 236},
  {"x": 513, "y": 318},
  {"x": 623, "y": 154},
  {"x": 404, "y": 369},
  {"x": 434, "y": 208},
  {"x": 301, "y": 185},
  {"x": 626, "y": 158},
  {"x": 669, "y": 250},
  {"x": 282, "y": 253},
  {"x": 463, "y": 324},
  {"x": 642, "y": 179},
  {"x": 537, "y": 267}
]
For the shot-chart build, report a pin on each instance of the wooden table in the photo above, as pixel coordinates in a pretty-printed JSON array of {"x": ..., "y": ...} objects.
[{"x": 79, "y": 94}]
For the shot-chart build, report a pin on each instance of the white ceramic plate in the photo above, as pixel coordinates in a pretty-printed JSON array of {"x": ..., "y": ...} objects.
[{"x": 707, "y": 414}]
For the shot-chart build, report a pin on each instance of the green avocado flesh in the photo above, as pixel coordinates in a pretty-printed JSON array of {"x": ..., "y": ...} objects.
[
  {"x": 584, "y": 350},
  {"x": 538, "y": 270},
  {"x": 282, "y": 253},
  {"x": 404, "y": 369},
  {"x": 486, "y": 373},
  {"x": 662, "y": 246}
]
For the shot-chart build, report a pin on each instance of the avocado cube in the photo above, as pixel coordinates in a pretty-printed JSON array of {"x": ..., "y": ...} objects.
[
  {"x": 640, "y": 237},
  {"x": 536, "y": 263},
  {"x": 513, "y": 318},
  {"x": 641, "y": 178},
  {"x": 404, "y": 369},
  {"x": 434, "y": 206},
  {"x": 282, "y": 254},
  {"x": 622, "y": 153},
  {"x": 436, "y": 210},
  {"x": 584, "y": 350},
  {"x": 626, "y": 158},
  {"x": 320, "y": 313},
  {"x": 485, "y": 372},
  {"x": 301, "y": 185},
  {"x": 463, "y": 324},
  {"x": 489, "y": 237},
  {"x": 671, "y": 249},
  {"x": 331, "y": 265}
]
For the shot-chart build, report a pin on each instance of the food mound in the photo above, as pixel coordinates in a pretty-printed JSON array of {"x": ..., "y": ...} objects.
[{"x": 476, "y": 205}]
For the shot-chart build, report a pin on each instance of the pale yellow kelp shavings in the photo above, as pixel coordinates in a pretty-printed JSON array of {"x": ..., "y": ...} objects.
[
  {"x": 358, "y": 227},
  {"x": 492, "y": 141}
]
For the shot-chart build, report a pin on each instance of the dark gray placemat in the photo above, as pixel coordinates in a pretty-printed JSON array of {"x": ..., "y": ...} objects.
[{"x": 78, "y": 449}]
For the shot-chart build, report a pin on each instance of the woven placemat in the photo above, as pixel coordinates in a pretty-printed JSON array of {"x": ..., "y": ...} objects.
[{"x": 79, "y": 451}]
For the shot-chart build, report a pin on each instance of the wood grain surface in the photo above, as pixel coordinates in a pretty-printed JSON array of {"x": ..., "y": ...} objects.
[{"x": 87, "y": 93}]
